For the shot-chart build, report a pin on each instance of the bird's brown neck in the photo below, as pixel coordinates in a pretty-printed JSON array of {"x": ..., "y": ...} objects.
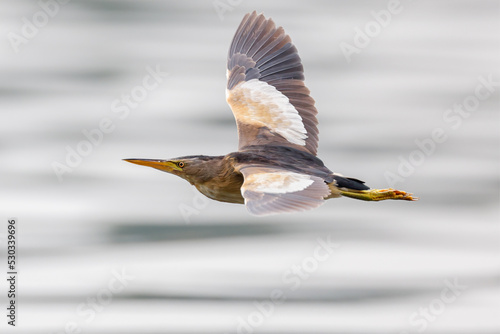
[{"x": 218, "y": 180}]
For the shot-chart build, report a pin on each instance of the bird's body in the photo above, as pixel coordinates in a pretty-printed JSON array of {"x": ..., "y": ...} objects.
[
  {"x": 275, "y": 169},
  {"x": 224, "y": 181}
]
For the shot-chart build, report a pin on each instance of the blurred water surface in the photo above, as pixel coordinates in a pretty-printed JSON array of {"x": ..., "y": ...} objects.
[{"x": 190, "y": 265}]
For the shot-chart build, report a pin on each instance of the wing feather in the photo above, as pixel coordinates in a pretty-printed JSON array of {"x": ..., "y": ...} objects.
[
  {"x": 262, "y": 52},
  {"x": 271, "y": 190}
]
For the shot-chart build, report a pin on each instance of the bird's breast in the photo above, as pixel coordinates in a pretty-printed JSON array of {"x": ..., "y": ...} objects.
[{"x": 223, "y": 189}]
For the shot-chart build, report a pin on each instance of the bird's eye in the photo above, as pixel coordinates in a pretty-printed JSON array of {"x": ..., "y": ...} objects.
[{"x": 180, "y": 164}]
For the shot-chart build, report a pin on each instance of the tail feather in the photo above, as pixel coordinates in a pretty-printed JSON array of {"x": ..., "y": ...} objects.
[{"x": 349, "y": 183}]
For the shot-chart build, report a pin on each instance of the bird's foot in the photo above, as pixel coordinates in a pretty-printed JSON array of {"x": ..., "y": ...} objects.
[{"x": 379, "y": 194}]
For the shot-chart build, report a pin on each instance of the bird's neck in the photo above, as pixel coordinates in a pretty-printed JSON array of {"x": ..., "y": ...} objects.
[
  {"x": 220, "y": 181},
  {"x": 208, "y": 170}
]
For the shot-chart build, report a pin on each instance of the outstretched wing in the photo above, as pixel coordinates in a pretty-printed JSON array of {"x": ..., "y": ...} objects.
[
  {"x": 269, "y": 190},
  {"x": 265, "y": 88}
]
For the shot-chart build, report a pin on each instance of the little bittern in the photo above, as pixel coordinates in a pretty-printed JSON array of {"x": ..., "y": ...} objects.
[{"x": 275, "y": 169}]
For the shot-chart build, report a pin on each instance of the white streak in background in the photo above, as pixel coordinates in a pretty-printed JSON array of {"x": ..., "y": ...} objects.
[
  {"x": 372, "y": 29},
  {"x": 437, "y": 306},
  {"x": 88, "y": 310},
  {"x": 453, "y": 118},
  {"x": 31, "y": 26},
  {"x": 292, "y": 280},
  {"x": 119, "y": 106},
  {"x": 223, "y": 6},
  {"x": 257, "y": 102},
  {"x": 198, "y": 203}
]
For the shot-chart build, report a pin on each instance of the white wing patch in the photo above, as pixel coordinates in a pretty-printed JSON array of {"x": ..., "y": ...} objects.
[
  {"x": 277, "y": 183},
  {"x": 268, "y": 190},
  {"x": 258, "y": 103}
]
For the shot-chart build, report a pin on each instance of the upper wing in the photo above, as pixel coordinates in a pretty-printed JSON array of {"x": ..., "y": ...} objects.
[
  {"x": 265, "y": 88},
  {"x": 270, "y": 190}
]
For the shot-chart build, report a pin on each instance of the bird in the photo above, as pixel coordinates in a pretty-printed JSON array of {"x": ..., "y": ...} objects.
[{"x": 275, "y": 169}]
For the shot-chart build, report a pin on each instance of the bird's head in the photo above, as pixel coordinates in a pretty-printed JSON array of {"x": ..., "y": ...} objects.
[{"x": 195, "y": 168}]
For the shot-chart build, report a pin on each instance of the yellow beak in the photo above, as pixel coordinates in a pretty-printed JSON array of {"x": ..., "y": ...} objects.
[{"x": 163, "y": 165}]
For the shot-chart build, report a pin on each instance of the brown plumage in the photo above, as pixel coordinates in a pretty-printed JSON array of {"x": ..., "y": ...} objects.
[{"x": 275, "y": 169}]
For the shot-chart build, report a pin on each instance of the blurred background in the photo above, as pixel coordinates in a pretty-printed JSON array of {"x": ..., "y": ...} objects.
[{"x": 407, "y": 95}]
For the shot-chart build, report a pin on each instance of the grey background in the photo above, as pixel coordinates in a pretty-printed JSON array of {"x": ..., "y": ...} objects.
[{"x": 198, "y": 265}]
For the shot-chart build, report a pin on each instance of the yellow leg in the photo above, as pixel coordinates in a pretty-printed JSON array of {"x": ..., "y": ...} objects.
[{"x": 378, "y": 194}]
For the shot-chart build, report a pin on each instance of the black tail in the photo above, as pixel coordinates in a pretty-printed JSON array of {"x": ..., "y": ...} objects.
[{"x": 349, "y": 183}]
